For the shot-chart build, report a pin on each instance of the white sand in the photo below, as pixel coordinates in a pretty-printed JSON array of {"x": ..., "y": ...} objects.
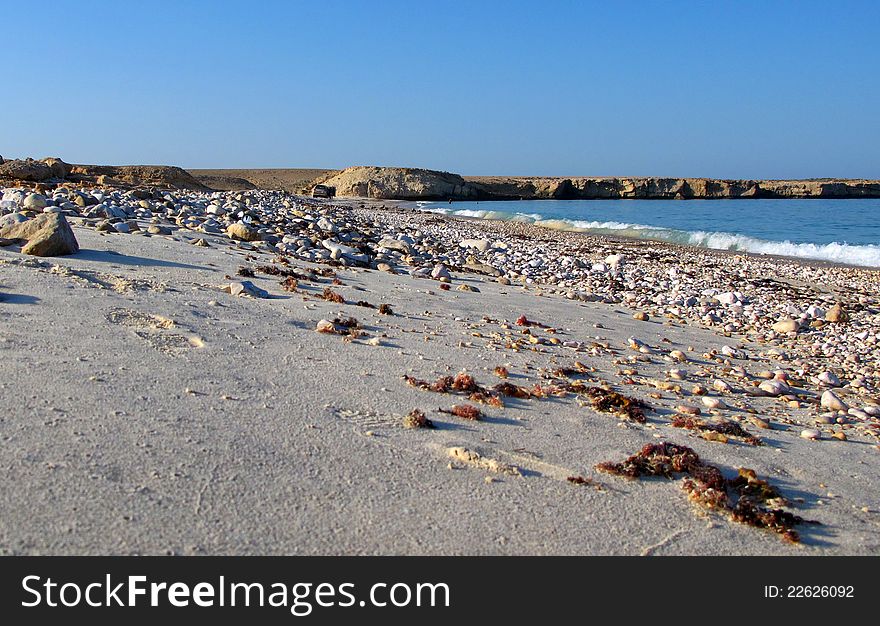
[{"x": 269, "y": 452}]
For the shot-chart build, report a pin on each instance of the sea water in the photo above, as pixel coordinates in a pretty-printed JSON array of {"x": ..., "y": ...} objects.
[{"x": 843, "y": 231}]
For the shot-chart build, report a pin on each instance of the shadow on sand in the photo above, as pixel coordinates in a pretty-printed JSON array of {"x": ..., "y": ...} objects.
[{"x": 109, "y": 256}]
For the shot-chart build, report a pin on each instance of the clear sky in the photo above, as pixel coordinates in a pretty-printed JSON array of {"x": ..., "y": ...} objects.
[{"x": 764, "y": 89}]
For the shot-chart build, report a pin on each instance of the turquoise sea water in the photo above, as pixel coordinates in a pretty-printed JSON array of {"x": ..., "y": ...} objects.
[{"x": 844, "y": 231}]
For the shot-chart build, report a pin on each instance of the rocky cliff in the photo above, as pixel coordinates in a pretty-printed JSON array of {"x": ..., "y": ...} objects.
[
  {"x": 53, "y": 171},
  {"x": 418, "y": 184}
]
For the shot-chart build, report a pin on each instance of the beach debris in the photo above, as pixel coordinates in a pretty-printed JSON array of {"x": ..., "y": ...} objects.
[
  {"x": 512, "y": 391},
  {"x": 417, "y": 419},
  {"x": 724, "y": 427},
  {"x": 331, "y": 296},
  {"x": 462, "y": 383},
  {"x": 290, "y": 284},
  {"x": 745, "y": 499},
  {"x": 474, "y": 459},
  {"x": 581, "y": 480},
  {"x": 245, "y": 288},
  {"x": 464, "y": 411},
  {"x": 501, "y": 372},
  {"x": 326, "y": 326},
  {"x": 385, "y": 309},
  {"x": 245, "y": 271},
  {"x": 608, "y": 401}
]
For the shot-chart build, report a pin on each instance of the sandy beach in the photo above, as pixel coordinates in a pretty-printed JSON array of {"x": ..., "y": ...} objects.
[{"x": 146, "y": 409}]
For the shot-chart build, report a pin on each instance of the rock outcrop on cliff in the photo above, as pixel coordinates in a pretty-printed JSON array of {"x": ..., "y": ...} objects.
[{"x": 401, "y": 183}]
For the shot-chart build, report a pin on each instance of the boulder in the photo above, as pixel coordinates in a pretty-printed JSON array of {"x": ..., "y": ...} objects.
[
  {"x": 48, "y": 234},
  {"x": 242, "y": 232}
]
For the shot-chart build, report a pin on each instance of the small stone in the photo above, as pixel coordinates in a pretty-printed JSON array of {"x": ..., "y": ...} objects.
[
  {"x": 155, "y": 229},
  {"x": 836, "y": 314},
  {"x": 774, "y": 387},
  {"x": 728, "y": 351},
  {"x": 688, "y": 409},
  {"x": 439, "y": 272},
  {"x": 839, "y": 436},
  {"x": 786, "y": 326},
  {"x": 641, "y": 316},
  {"x": 721, "y": 386},
  {"x": 760, "y": 423},
  {"x": 810, "y": 433},
  {"x": 325, "y": 326},
  {"x": 34, "y": 202},
  {"x": 829, "y": 378},
  {"x": 678, "y": 355},
  {"x": 832, "y": 402},
  {"x": 713, "y": 403}
]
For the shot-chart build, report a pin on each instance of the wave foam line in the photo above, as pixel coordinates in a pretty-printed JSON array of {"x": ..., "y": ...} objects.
[{"x": 862, "y": 255}]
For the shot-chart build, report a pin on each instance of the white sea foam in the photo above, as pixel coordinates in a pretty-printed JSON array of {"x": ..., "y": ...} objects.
[{"x": 864, "y": 255}]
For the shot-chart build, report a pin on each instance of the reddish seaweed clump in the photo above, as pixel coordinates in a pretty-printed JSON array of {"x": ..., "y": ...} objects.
[
  {"x": 724, "y": 427},
  {"x": 580, "y": 480},
  {"x": 461, "y": 382},
  {"x": 512, "y": 391},
  {"x": 742, "y": 499},
  {"x": 417, "y": 419},
  {"x": 464, "y": 411},
  {"x": 289, "y": 284},
  {"x": 385, "y": 309},
  {"x": 331, "y": 296},
  {"x": 609, "y": 401},
  {"x": 501, "y": 372}
]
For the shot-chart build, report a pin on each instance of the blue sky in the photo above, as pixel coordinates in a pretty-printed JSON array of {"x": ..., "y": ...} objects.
[{"x": 764, "y": 89}]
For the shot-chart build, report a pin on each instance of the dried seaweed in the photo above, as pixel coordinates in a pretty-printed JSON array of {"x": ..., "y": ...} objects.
[
  {"x": 580, "y": 480},
  {"x": 522, "y": 320},
  {"x": 462, "y": 383},
  {"x": 271, "y": 270},
  {"x": 346, "y": 322},
  {"x": 247, "y": 272},
  {"x": 385, "y": 309},
  {"x": 724, "y": 427},
  {"x": 417, "y": 419},
  {"x": 365, "y": 304},
  {"x": 512, "y": 391},
  {"x": 501, "y": 372},
  {"x": 742, "y": 499},
  {"x": 290, "y": 284},
  {"x": 464, "y": 411},
  {"x": 609, "y": 401},
  {"x": 331, "y": 296}
]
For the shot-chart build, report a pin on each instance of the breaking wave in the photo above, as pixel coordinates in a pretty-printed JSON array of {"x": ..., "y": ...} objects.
[{"x": 863, "y": 255}]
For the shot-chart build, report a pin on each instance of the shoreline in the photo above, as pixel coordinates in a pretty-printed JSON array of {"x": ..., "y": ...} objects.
[{"x": 622, "y": 239}]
